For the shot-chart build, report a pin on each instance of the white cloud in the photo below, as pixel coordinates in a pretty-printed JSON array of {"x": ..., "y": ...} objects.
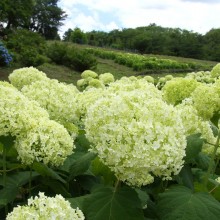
[{"x": 196, "y": 15}]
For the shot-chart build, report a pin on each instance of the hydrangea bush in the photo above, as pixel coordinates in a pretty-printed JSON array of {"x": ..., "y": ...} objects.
[
  {"x": 42, "y": 207},
  {"x": 132, "y": 148},
  {"x": 5, "y": 56}
]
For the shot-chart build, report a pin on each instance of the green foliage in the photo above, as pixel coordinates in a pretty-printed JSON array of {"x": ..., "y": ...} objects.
[
  {"x": 78, "y": 36},
  {"x": 106, "y": 203},
  {"x": 73, "y": 57},
  {"x": 181, "y": 203},
  {"x": 28, "y": 47}
]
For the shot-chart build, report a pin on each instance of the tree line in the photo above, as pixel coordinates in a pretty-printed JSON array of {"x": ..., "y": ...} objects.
[
  {"x": 153, "y": 39},
  {"x": 42, "y": 16},
  {"x": 46, "y": 17}
]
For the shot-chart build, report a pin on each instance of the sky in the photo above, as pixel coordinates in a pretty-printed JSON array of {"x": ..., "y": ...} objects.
[{"x": 105, "y": 15}]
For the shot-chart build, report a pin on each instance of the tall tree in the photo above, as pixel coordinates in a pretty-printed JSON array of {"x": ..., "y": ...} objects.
[
  {"x": 15, "y": 13},
  {"x": 46, "y": 18}
]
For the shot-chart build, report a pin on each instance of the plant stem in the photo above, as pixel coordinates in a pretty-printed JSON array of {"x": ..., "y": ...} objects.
[
  {"x": 116, "y": 185},
  {"x": 212, "y": 161}
]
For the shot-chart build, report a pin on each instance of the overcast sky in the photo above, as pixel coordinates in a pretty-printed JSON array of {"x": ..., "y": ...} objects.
[{"x": 194, "y": 15}]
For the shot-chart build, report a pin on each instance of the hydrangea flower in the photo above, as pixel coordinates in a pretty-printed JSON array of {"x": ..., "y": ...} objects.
[
  {"x": 194, "y": 124},
  {"x": 5, "y": 56},
  {"x": 106, "y": 78},
  {"x": 206, "y": 100},
  {"x": 42, "y": 207},
  {"x": 57, "y": 98},
  {"x": 89, "y": 73},
  {"x": 25, "y": 76},
  {"x": 37, "y": 137},
  {"x": 17, "y": 113},
  {"x": 47, "y": 142},
  {"x": 215, "y": 72},
  {"x": 177, "y": 89},
  {"x": 137, "y": 138}
]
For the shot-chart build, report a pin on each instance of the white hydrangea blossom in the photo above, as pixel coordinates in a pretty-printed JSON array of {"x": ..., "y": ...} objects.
[
  {"x": 134, "y": 84},
  {"x": 106, "y": 78},
  {"x": 206, "y": 100},
  {"x": 57, "y": 98},
  {"x": 137, "y": 138},
  {"x": 25, "y": 76},
  {"x": 37, "y": 137},
  {"x": 194, "y": 124},
  {"x": 48, "y": 142},
  {"x": 17, "y": 113},
  {"x": 177, "y": 89},
  {"x": 89, "y": 73},
  {"x": 46, "y": 208}
]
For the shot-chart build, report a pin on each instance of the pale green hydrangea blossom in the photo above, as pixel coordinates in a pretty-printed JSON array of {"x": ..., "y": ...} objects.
[
  {"x": 17, "y": 113},
  {"x": 37, "y": 137},
  {"x": 194, "y": 124},
  {"x": 89, "y": 73},
  {"x": 137, "y": 138},
  {"x": 57, "y": 98},
  {"x": 26, "y": 76},
  {"x": 96, "y": 83},
  {"x": 106, "y": 78},
  {"x": 201, "y": 76},
  {"x": 206, "y": 100},
  {"x": 48, "y": 142},
  {"x": 177, "y": 89},
  {"x": 215, "y": 72},
  {"x": 87, "y": 98},
  {"x": 149, "y": 79},
  {"x": 46, "y": 208},
  {"x": 128, "y": 84}
]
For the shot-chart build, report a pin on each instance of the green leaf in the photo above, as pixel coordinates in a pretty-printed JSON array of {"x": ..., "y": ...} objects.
[
  {"x": 81, "y": 165},
  {"x": 186, "y": 176},
  {"x": 7, "y": 141},
  {"x": 13, "y": 183},
  {"x": 77, "y": 201},
  {"x": 202, "y": 160},
  {"x": 56, "y": 186},
  {"x": 194, "y": 146},
  {"x": 181, "y": 203},
  {"x": 105, "y": 203},
  {"x": 46, "y": 171}
]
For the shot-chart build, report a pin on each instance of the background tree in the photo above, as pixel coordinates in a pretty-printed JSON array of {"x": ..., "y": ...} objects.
[
  {"x": 78, "y": 36},
  {"x": 16, "y": 13},
  {"x": 46, "y": 18}
]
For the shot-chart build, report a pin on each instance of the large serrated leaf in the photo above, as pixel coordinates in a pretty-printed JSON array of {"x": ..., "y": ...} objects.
[
  {"x": 46, "y": 171},
  {"x": 81, "y": 165},
  {"x": 105, "y": 203},
  {"x": 13, "y": 183},
  {"x": 181, "y": 203},
  {"x": 194, "y": 146}
]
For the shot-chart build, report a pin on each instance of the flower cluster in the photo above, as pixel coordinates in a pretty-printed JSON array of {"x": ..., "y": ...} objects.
[
  {"x": 57, "y": 98},
  {"x": 91, "y": 79},
  {"x": 194, "y": 124},
  {"x": 215, "y": 72},
  {"x": 201, "y": 76},
  {"x": 25, "y": 76},
  {"x": 137, "y": 138},
  {"x": 46, "y": 208},
  {"x": 37, "y": 137},
  {"x": 177, "y": 89},
  {"x": 134, "y": 84},
  {"x": 5, "y": 57},
  {"x": 206, "y": 100}
]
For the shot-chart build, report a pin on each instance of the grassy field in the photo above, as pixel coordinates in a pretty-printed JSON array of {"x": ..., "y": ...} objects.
[{"x": 65, "y": 74}]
